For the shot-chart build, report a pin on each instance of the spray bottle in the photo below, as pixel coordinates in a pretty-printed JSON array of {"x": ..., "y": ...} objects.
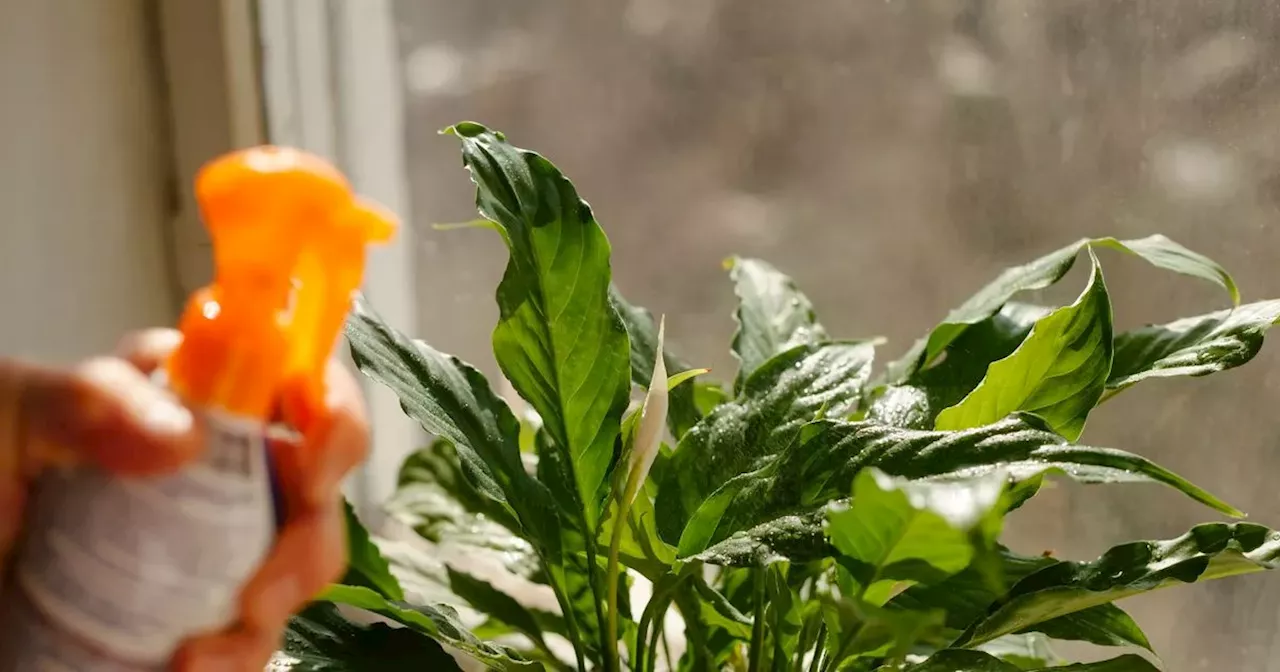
[{"x": 115, "y": 573}]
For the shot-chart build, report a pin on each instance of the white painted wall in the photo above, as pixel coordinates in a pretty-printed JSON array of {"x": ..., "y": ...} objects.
[
  {"x": 82, "y": 178},
  {"x": 106, "y": 113}
]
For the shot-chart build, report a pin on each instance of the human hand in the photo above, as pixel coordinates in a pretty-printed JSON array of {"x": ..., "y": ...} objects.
[{"x": 86, "y": 415}]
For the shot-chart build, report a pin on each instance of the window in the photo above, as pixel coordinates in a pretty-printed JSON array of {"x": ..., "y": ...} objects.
[{"x": 889, "y": 155}]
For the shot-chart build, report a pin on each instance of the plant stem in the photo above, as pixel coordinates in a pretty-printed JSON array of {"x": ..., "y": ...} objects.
[
  {"x": 845, "y": 643},
  {"x": 819, "y": 649},
  {"x": 611, "y": 585},
  {"x": 802, "y": 644},
  {"x": 607, "y": 644},
  {"x": 654, "y": 612},
  {"x": 575, "y": 636},
  {"x": 661, "y": 631},
  {"x": 756, "y": 654}
]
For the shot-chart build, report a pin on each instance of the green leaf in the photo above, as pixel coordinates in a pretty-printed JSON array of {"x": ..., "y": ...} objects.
[
  {"x": 486, "y": 599},
  {"x": 1157, "y": 250},
  {"x": 451, "y": 399},
  {"x": 1192, "y": 346},
  {"x": 682, "y": 411},
  {"x": 959, "y": 660},
  {"x": 718, "y": 611},
  {"x": 816, "y": 469},
  {"x": 708, "y": 395},
  {"x": 780, "y": 397},
  {"x": 1208, "y": 551},
  {"x": 439, "y": 465},
  {"x": 440, "y": 506},
  {"x": 1025, "y": 652},
  {"x": 785, "y": 613},
  {"x": 1059, "y": 372},
  {"x": 916, "y": 403},
  {"x": 675, "y": 380},
  {"x": 438, "y": 622},
  {"x": 860, "y": 630},
  {"x": 581, "y": 588},
  {"x": 365, "y": 564},
  {"x": 773, "y": 316},
  {"x": 1104, "y": 625},
  {"x": 1161, "y": 252},
  {"x": 895, "y": 533},
  {"x": 558, "y": 339},
  {"x": 968, "y": 596},
  {"x": 319, "y": 639},
  {"x": 699, "y": 653},
  {"x": 787, "y": 537},
  {"x": 435, "y": 501}
]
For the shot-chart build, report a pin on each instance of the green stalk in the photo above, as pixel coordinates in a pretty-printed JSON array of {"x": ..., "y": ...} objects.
[
  {"x": 593, "y": 576},
  {"x": 757, "y": 623},
  {"x": 575, "y": 637},
  {"x": 656, "y": 609},
  {"x": 819, "y": 649},
  {"x": 661, "y": 631},
  {"x": 611, "y": 585},
  {"x": 611, "y": 580},
  {"x": 845, "y": 643},
  {"x": 802, "y": 644}
]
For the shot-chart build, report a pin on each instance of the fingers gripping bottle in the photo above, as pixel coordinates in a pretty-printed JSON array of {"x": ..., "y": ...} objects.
[{"x": 115, "y": 573}]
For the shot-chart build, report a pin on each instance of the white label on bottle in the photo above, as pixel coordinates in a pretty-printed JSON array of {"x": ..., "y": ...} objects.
[{"x": 133, "y": 567}]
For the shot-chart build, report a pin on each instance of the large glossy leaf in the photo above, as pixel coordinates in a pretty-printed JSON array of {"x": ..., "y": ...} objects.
[
  {"x": 858, "y": 631},
  {"x": 441, "y": 506},
  {"x": 496, "y": 604},
  {"x": 817, "y": 469},
  {"x": 1192, "y": 346},
  {"x": 1161, "y": 252},
  {"x": 959, "y": 660},
  {"x": 1037, "y": 274},
  {"x": 581, "y": 585},
  {"x": 773, "y": 316},
  {"x": 682, "y": 411},
  {"x": 743, "y": 435},
  {"x": 916, "y": 403},
  {"x": 320, "y": 640},
  {"x": 968, "y": 596},
  {"x": 894, "y": 533},
  {"x": 1025, "y": 652},
  {"x": 785, "y": 615},
  {"x": 452, "y": 400},
  {"x": 438, "y": 622},
  {"x": 558, "y": 340},
  {"x": 1209, "y": 551},
  {"x": 787, "y": 537},
  {"x": 718, "y": 611},
  {"x": 1059, "y": 372},
  {"x": 1156, "y": 250},
  {"x": 1104, "y": 625},
  {"x": 365, "y": 564}
]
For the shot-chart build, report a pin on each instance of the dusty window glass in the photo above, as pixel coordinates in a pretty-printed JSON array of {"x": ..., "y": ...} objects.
[{"x": 893, "y": 156}]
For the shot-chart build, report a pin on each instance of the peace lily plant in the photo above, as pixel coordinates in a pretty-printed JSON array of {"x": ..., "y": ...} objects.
[{"x": 811, "y": 514}]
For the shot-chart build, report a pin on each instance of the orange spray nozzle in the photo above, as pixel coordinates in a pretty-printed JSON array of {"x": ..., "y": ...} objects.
[{"x": 289, "y": 239}]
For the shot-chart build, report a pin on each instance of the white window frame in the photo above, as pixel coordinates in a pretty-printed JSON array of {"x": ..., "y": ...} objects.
[
  {"x": 331, "y": 79},
  {"x": 319, "y": 75}
]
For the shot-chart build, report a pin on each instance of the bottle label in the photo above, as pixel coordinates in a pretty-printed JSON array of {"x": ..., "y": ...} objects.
[{"x": 130, "y": 568}]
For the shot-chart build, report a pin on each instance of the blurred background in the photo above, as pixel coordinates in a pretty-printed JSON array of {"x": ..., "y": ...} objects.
[
  {"x": 894, "y": 156},
  {"x": 891, "y": 155}
]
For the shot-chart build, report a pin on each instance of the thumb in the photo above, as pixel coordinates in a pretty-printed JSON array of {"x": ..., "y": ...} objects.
[{"x": 104, "y": 412}]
